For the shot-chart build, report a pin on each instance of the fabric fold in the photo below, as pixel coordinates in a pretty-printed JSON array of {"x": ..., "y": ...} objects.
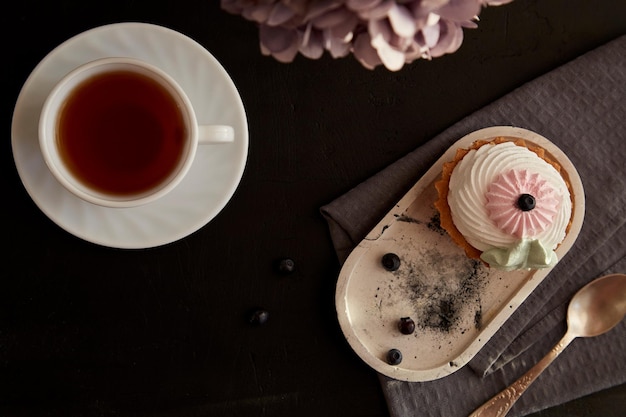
[{"x": 581, "y": 107}]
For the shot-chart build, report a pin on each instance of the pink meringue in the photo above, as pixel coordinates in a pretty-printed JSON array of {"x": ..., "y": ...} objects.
[{"x": 502, "y": 207}]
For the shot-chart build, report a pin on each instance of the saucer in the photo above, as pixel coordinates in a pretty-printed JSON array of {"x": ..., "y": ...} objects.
[{"x": 213, "y": 177}]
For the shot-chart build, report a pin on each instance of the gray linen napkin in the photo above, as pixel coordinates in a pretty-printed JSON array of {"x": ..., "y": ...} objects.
[{"x": 581, "y": 107}]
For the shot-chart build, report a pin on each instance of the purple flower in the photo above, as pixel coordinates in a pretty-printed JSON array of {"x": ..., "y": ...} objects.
[{"x": 388, "y": 32}]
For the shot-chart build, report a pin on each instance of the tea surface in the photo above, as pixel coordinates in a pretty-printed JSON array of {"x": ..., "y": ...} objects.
[{"x": 121, "y": 133}]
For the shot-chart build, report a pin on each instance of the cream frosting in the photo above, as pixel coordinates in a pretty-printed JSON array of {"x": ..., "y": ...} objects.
[
  {"x": 497, "y": 172},
  {"x": 525, "y": 254}
]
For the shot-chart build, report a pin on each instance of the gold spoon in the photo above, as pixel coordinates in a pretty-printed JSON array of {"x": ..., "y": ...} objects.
[{"x": 595, "y": 309}]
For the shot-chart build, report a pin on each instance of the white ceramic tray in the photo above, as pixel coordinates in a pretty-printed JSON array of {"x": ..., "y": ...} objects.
[{"x": 457, "y": 303}]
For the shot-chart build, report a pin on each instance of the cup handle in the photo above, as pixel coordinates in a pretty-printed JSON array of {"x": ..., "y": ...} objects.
[{"x": 214, "y": 134}]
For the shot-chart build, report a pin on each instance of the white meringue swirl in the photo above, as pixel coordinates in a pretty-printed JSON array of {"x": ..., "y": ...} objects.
[{"x": 469, "y": 184}]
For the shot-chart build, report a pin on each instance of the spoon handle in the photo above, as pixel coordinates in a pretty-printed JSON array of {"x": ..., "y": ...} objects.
[{"x": 502, "y": 402}]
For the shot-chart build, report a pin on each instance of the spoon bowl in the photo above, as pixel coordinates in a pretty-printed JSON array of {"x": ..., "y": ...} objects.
[
  {"x": 598, "y": 306},
  {"x": 595, "y": 309}
]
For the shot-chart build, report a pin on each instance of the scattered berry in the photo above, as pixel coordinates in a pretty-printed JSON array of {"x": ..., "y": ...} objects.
[
  {"x": 391, "y": 262},
  {"x": 406, "y": 325},
  {"x": 286, "y": 266},
  {"x": 394, "y": 357},
  {"x": 526, "y": 202},
  {"x": 258, "y": 317}
]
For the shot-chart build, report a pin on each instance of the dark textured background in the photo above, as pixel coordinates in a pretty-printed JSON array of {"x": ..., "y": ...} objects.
[{"x": 91, "y": 331}]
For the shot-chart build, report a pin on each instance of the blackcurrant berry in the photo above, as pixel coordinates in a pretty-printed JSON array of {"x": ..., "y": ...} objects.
[
  {"x": 286, "y": 266},
  {"x": 391, "y": 262},
  {"x": 394, "y": 357},
  {"x": 526, "y": 202},
  {"x": 406, "y": 325},
  {"x": 258, "y": 316}
]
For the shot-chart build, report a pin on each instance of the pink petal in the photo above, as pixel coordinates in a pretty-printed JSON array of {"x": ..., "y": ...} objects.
[
  {"x": 277, "y": 39},
  {"x": 430, "y": 4},
  {"x": 379, "y": 11},
  {"x": 307, "y": 34},
  {"x": 426, "y": 19},
  {"x": 450, "y": 39},
  {"x": 364, "y": 52},
  {"x": 345, "y": 29},
  {"x": 298, "y": 7},
  {"x": 399, "y": 42},
  {"x": 258, "y": 14},
  {"x": 337, "y": 47},
  {"x": 332, "y": 18},
  {"x": 279, "y": 15},
  {"x": 287, "y": 55},
  {"x": 361, "y": 4},
  {"x": 431, "y": 35},
  {"x": 391, "y": 57},
  {"x": 313, "y": 48},
  {"x": 413, "y": 52},
  {"x": 460, "y": 10},
  {"x": 380, "y": 28},
  {"x": 469, "y": 24},
  {"x": 457, "y": 40},
  {"x": 401, "y": 21},
  {"x": 281, "y": 43},
  {"x": 319, "y": 7}
]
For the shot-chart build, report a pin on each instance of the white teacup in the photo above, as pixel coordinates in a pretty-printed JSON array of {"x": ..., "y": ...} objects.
[{"x": 119, "y": 132}]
